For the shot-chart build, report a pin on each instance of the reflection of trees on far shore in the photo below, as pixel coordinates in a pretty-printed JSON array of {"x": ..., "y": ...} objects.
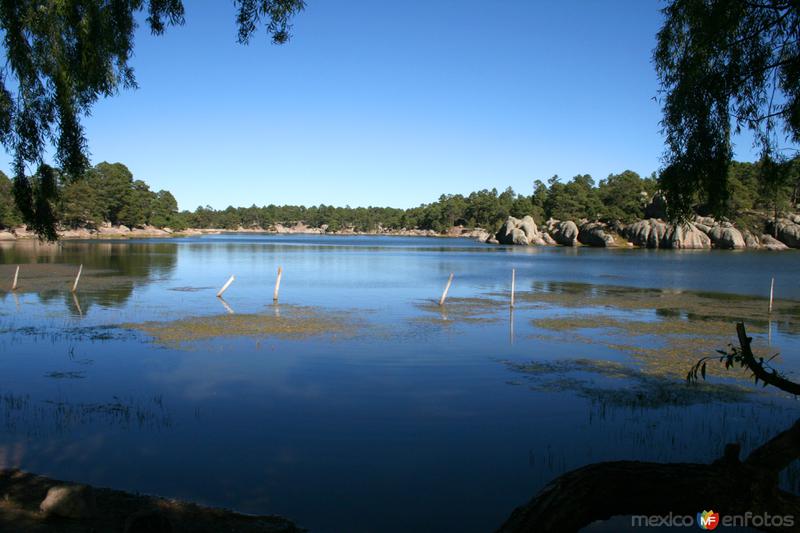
[{"x": 111, "y": 269}]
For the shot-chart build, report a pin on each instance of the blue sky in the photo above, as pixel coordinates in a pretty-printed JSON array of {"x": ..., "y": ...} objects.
[{"x": 388, "y": 103}]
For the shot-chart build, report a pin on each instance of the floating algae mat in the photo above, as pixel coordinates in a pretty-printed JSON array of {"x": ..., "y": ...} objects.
[{"x": 289, "y": 322}]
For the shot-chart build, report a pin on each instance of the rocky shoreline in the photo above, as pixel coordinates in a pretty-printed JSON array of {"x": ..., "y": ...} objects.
[
  {"x": 148, "y": 232},
  {"x": 698, "y": 233},
  {"x": 36, "y": 504}
]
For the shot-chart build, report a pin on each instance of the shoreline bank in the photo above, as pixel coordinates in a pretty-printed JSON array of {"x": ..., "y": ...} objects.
[
  {"x": 39, "y": 504},
  {"x": 698, "y": 233}
]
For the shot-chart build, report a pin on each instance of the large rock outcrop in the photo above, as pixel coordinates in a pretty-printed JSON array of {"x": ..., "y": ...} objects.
[
  {"x": 685, "y": 236},
  {"x": 787, "y": 230},
  {"x": 726, "y": 236},
  {"x": 7, "y": 236},
  {"x": 653, "y": 233},
  {"x": 520, "y": 232},
  {"x": 647, "y": 233},
  {"x": 595, "y": 234},
  {"x": 768, "y": 242},
  {"x": 565, "y": 232},
  {"x": 751, "y": 240}
]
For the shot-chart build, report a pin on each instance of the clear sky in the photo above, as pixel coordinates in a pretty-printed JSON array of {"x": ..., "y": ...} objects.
[{"x": 388, "y": 102}]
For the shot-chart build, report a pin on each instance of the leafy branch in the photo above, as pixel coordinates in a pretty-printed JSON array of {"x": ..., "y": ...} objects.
[{"x": 742, "y": 357}]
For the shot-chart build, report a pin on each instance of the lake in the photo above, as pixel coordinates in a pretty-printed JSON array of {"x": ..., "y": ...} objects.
[{"x": 357, "y": 403}]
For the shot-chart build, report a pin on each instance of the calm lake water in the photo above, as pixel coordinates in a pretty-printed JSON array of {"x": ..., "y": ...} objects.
[{"x": 410, "y": 418}]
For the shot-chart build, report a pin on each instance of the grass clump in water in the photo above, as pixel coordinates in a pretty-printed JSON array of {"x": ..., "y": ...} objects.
[
  {"x": 291, "y": 322},
  {"x": 468, "y": 310}
]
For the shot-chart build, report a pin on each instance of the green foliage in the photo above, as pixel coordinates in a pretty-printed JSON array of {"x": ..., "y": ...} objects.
[
  {"x": 624, "y": 196},
  {"x": 110, "y": 194},
  {"x": 9, "y": 214},
  {"x": 61, "y": 57},
  {"x": 765, "y": 185},
  {"x": 574, "y": 200},
  {"x": 35, "y": 197},
  {"x": 113, "y": 183},
  {"x": 79, "y": 206},
  {"x": 164, "y": 212},
  {"x": 724, "y": 62},
  {"x": 137, "y": 207}
]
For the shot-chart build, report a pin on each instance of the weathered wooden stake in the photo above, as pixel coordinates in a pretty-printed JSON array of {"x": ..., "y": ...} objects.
[
  {"x": 513, "y": 282},
  {"x": 16, "y": 276},
  {"x": 77, "y": 279},
  {"x": 771, "y": 292},
  {"x": 446, "y": 288},
  {"x": 277, "y": 285},
  {"x": 225, "y": 287}
]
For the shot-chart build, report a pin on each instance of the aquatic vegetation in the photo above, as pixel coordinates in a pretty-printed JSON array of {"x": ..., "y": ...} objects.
[
  {"x": 662, "y": 326},
  {"x": 666, "y": 302},
  {"x": 65, "y": 375},
  {"x": 618, "y": 384},
  {"x": 666, "y": 345},
  {"x": 468, "y": 310},
  {"x": 41, "y": 417},
  {"x": 56, "y": 333},
  {"x": 190, "y": 289},
  {"x": 289, "y": 322}
]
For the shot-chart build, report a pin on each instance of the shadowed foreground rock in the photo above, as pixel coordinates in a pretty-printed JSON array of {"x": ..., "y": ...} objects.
[{"x": 113, "y": 511}]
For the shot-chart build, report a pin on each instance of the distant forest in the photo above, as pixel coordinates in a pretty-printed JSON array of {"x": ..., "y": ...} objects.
[{"x": 111, "y": 195}]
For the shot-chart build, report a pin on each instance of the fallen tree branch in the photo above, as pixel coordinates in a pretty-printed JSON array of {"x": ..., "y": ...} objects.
[
  {"x": 728, "y": 486},
  {"x": 757, "y": 367},
  {"x": 602, "y": 490}
]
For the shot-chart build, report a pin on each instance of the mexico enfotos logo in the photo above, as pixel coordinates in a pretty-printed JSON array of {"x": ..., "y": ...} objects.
[{"x": 709, "y": 520}]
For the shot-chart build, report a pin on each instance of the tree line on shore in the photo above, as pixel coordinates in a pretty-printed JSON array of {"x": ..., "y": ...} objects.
[{"x": 111, "y": 195}]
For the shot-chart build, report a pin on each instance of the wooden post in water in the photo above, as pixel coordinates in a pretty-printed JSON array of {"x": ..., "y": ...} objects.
[
  {"x": 225, "y": 287},
  {"x": 277, "y": 285},
  {"x": 446, "y": 288},
  {"x": 513, "y": 282},
  {"x": 771, "y": 292},
  {"x": 77, "y": 279},
  {"x": 16, "y": 277}
]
